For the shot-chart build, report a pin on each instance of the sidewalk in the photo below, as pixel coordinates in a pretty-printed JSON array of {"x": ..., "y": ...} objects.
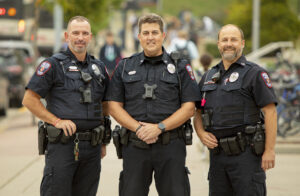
[{"x": 21, "y": 167}]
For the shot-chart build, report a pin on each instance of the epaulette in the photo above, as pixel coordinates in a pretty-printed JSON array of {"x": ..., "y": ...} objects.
[{"x": 60, "y": 56}]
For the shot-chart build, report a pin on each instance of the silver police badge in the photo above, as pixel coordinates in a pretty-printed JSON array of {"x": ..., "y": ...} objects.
[
  {"x": 233, "y": 77},
  {"x": 96, "y": 70},
  {"x": 171, "y": 68}
]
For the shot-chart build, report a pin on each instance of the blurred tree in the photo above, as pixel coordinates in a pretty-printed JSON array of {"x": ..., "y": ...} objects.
[
  {"x": 277, "y": 21},
  {"x": 97, "y": 11}
]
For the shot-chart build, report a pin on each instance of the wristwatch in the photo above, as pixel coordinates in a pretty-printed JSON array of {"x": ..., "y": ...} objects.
[{"x": 162, "y": 127}]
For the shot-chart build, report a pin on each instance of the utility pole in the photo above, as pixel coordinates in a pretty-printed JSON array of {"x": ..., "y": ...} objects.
[
  {"x": 58, "y": 26},
  {"x": 159, "y": 5},
  {"x": 255, "y": 24}
]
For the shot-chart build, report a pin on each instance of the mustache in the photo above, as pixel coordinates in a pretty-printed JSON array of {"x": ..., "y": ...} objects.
[
  {"x": 229, "y": 48},
  {"x": 80, "y": 42}
]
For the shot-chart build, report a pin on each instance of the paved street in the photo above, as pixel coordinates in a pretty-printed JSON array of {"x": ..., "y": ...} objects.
[{"x": 21, "y": 167}]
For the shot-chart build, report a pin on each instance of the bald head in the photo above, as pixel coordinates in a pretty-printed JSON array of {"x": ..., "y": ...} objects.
[
  {"x": 78, "y": 19},
  {"x": 232, "y": 26}
]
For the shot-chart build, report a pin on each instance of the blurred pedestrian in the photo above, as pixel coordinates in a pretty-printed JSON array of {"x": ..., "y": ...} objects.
[
  {"x": 110, "y": 53},
  {"x": 205, "y": 61},
  {"x": 184, "y": 46}
]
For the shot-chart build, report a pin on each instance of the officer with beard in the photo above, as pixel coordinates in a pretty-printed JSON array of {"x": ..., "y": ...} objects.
[
  {"x": 74, "y": 84},
  {"x": 236, "y": 119}
]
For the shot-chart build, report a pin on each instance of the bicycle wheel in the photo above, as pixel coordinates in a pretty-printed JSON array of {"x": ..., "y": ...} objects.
[{"x": 288, "y": 121}]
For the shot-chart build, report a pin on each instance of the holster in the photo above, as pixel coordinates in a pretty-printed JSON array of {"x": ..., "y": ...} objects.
[
  {"x": 124, "y": 136},
  {"x": 117, "y": 141},
  {"x": 258, "y": 143},
  {"x": 188, "y": 132},
  {"x": 98, "y": 134},
  {"x": 42, "y": 137},
  {"x": 230, "y": 145},
  {"x": 54, "y": 134},
  {"x": 206, "y": 118},
  {"x": 107, "y": 132}
]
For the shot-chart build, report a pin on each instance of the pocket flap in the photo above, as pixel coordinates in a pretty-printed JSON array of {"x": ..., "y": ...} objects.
[
  {"x": 75, "y": 75},
  {"x": 209, "y": 87},
  {"x": 133, "y": 78},
  {"x": 170, "y": 79}
]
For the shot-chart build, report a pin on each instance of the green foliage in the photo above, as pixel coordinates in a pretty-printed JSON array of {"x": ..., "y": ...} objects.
[
  {"x": 213, "y": 8},
  {"x": 277, "y": 21},
  {"x": 97, "y": 11},
  {"x": 212, "y": 48}
]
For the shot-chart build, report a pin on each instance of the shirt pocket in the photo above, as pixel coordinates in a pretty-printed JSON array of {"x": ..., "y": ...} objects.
[
  {"x": 133, "y": 85},
  {"x": 72, "y": 80},
  {"x": 232, "y": 90},
  {"x": 168, "y": 87}
]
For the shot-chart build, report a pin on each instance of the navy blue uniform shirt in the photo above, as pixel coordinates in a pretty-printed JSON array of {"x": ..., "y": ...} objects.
[
  {"x": 60, "y": 88},
  {"x": 238, "y": 95},
  {"x": 132, "y": 74}
]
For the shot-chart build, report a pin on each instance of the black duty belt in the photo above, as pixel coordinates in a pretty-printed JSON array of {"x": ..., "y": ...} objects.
[
  {"x": 221, "y": 133},
  {"x": 164, "y": 138},
  {"x": 173, "y": 135},
  {"x": 84, "y": 136},
  {"x": 233, "y": 145}
]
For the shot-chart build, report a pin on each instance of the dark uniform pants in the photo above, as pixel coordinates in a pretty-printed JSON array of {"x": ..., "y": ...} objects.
[
  {"x": 239, "y": 175},
  {"x": 63, "y": 176},
  {"x": 168, "y": 164}
]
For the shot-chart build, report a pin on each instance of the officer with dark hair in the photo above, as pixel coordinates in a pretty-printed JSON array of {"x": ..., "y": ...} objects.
[
  {"x": 236, "y": 119},
  {"x": 74, "y": 84},
  {"x": 152, "y": 96}
]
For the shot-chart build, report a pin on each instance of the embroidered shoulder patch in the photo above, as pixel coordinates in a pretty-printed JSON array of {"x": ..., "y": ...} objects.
[
  {"x": 189, "y": 69},
  {"x": 266, "y": 79},
  {"x": 43, "y": 68}
]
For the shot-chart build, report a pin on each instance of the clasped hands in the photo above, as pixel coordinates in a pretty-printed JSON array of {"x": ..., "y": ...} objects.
[{"x": 148, "y": 132}]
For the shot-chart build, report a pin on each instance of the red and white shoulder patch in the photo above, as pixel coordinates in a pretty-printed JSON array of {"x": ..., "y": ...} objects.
[
  {"x": 266, "y": 79},
  {"x": 189, "y": 69},
  {"x": 43, "y": 68}
]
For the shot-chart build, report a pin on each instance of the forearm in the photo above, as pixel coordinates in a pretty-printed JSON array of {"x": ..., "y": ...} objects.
[
  {"x": 32, "y": 101},
  {"x": 270, "y": 126},
  {"x": 185, "y": 112},
  {"x": 198, "y": 125},
  {"x": 117, "y": 111},
  {"x": 105, "y": 108}
]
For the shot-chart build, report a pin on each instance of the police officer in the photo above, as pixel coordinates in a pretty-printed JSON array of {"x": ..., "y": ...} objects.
[
  {"x": 144, "y": 97},
  {"x": 241, "y": 142},
  {"x": 74, "y": 84}
]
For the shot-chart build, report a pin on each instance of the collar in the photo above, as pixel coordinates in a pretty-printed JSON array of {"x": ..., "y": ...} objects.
[
  {"x": 241, "y": 61},
  {"x": 73, "y": 57},
  {"x": 165, "y": 58}
]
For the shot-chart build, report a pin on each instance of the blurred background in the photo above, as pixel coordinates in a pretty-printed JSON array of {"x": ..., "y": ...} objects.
[{"x": 31, "y": 30}]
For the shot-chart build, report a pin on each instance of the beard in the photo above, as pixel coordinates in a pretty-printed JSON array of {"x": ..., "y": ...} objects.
[
  {"x": 79, "y": 49},
  {"x": 230, "y": 56}
]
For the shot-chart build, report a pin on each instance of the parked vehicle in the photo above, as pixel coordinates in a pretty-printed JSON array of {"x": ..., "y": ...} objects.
[
  {"x": 4, "y": 99},
  {"x": 14, "y": 66}
]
